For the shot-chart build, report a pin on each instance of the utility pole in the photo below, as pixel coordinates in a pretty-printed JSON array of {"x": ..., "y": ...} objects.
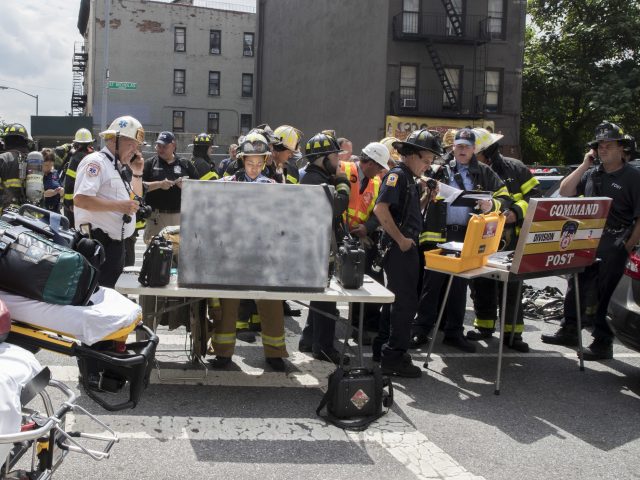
[{"x": 105, "y": 90}]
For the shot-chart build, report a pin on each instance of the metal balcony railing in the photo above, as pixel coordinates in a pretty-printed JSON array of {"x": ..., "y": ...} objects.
[
  {"x": 409, "y": 102},
  {"x": 414, "y": 26}
]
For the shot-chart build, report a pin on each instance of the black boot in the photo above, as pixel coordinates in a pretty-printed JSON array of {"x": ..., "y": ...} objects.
[
  {"x": 418, "y": 340},
  {"x": 518, "y": 344},
  {"x": 600, "y": 349},
  {"x": 400, "y": 367},
  {"x": 276, "y": 363},
  {"x": 461, "y": 343},
  {"x": 567, "y": 336},
  {"x": 480, "y": 334},
  {"x": 219, "y": 362}
]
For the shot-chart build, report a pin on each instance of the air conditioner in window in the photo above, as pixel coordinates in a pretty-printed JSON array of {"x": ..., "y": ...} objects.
[{"x": 409, "y": 103}]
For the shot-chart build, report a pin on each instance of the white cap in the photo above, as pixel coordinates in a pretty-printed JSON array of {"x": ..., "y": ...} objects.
[{"x": 377, "y": 152}]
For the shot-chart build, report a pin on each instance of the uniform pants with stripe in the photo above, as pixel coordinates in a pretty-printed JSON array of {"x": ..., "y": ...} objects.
[
  {"x": 272, "y": 316},
  {"x": 487, "y": 296}
]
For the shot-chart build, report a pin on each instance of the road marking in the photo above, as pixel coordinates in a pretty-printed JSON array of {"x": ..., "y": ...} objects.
[{"x": 408, "y": 446}]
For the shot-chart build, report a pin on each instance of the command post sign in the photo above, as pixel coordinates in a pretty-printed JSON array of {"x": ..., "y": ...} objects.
[{"x": 560, "y": 233}]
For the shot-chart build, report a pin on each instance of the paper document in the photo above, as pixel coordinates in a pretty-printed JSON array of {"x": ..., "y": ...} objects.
[
  {"x": 461, "y": 197},
  {"x": 453, "y": 246}
]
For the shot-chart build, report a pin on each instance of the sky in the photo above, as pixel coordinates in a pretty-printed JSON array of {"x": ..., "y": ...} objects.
[{"x": 36, "y": 49}]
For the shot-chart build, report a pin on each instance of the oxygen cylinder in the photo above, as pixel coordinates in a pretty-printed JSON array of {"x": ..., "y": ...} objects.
[{"x": 35, "y": 177}]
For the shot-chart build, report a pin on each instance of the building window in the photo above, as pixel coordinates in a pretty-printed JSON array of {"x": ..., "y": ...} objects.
[
  {"x": 179, "y": 81},
  {"x": 178, "y": 121},
  {"x": 180, "y": 39},
  {"x": 247, "y": 85},
  {"x": 452, "y": 30},
  {"x": 410, "y": 16},
  {"x": 493, "y": 90},
  {"x": 215, "y": 42},
  {"x": 454, "y": 74},
  {"x": 245, "y": 123},
  {"x": 214, "y": 83},
  {"x": 247, "y": 45},
  {"x": 496, "y": 18},
  {"x": 408, "y": 86},
  {"x": 213, "y": 122}
]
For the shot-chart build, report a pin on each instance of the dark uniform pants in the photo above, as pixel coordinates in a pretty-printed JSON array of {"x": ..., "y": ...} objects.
[
  {"x": 319, "y": 331},
  {"x": 605, "y": 275},
  {"x": 487, "y": 296},
  {"x": 433, "y": 287},
  {"x": 395, "y": 323},
  {"x": 272, "y": 315},
  {"x": 113, "y": 264}
]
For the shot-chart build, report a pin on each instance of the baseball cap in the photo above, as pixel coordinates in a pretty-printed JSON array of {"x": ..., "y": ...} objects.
[
  {"x": 166, "y": 138},
  {"x": 465, "y": 136}
]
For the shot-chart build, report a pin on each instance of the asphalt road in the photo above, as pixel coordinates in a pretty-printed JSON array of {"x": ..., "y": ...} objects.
[{"x": 550, "y": 421}]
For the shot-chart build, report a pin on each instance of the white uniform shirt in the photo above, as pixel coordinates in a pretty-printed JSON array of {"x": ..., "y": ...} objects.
[{"x": 98, "y": 177}]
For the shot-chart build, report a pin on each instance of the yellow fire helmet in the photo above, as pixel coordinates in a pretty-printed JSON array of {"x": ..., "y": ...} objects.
[
  {"x": 388, "y": 142},
  {"x": 126, "y": 126},
  {"x": 83, "y": 136},
  {"x": 448, "y": 137},
  {"x": 288, "y": 136},
  {"x": 484, "y": 139}
]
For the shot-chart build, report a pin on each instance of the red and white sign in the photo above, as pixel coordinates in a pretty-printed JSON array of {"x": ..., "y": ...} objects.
[{"x": 560, "y": 233}]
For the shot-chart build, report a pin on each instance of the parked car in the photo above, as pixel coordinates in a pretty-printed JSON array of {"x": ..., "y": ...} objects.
[{"x": 624, "y": 307}]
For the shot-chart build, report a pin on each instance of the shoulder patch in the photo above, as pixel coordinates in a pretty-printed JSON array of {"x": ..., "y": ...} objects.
[
  {"x": 392, "y": 179},
  {"x": 93, "y": 169}
]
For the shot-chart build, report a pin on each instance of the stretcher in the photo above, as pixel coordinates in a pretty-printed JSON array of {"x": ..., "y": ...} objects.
[
  {"x": 44, "y": 434},
  {"x": 96, "y": 335}
]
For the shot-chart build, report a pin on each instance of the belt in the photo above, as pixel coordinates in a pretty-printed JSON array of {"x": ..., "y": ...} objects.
[
  {"x": 102, "y": 236},
  {"x": 166, "y": 211},
  {"x": 456, "y": 228}
]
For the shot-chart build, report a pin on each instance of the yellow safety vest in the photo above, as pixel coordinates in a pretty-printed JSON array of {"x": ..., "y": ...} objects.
[{"x": 360, "y": 205}]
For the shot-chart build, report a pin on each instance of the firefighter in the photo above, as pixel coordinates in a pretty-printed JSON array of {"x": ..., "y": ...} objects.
[
  {"x": 364, "y": 178},
  {"x": 287, "y": 145},
  {"x": 253, "y": 152},
  {"x": 322, "y": 150},
  {"x": 83, "y": 146},
  {"x": 449, "y": 223},
  {"x": 13, "y": 166},
  {"x": 204, "y": 165},
  {"x": 485, "y": 292},
  {"x": 398, "y": 211}
]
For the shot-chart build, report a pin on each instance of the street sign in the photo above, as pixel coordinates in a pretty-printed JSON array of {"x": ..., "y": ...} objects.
[{"x": 122, "y": 85}]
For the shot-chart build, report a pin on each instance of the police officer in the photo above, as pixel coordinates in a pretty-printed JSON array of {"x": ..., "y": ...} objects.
[
  {"x": 609, "y": 177},
  {"x": 522, "y": 186},
  {"x": 103, "y": 199},
  {"x": 450, "y": 223},
  {"x": 253, "y": 152},
  {"x": 398, "y": 211},
  {"x": 13, "y": 166},
  {"x": 322, "y": 150},
  {"x": 163, "y": 175},
  {"x": 82, "y": 146},
  {"x": 202, "y": 162}
]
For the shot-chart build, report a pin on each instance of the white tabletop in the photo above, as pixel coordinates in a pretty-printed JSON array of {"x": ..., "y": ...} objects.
[
  {"x": 370, "y": 292},
  {"x": 486, "y": 272}
]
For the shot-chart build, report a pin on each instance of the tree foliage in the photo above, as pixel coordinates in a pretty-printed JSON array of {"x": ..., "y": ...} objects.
[{"x": 580, "y": 67}]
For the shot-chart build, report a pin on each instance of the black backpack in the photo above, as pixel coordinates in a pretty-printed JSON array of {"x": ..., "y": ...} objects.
[
  {"x": 355, "y": 397},
  {"x": 156, "y": 263}
]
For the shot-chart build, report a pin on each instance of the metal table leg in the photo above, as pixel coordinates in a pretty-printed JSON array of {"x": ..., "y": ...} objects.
[
  {"x": 501, "y": 344},
  {"x": 434, "y": 333},
  {"x": 360, "y": 334},
  {"x": 578, "y": 320}
]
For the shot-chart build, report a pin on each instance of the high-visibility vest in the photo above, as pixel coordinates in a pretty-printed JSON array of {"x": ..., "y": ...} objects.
[{"x": 360, "y": 205}]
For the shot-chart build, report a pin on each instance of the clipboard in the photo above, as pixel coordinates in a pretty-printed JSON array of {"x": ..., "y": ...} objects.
[{"x": 468, "y": 198}]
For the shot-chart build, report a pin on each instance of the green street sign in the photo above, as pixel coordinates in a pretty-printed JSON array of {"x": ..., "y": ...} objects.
[{"x": 122, "y": 85}]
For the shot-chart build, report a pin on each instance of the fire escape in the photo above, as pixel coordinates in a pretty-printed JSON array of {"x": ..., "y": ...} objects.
[
  {"x": 434, "y": 30},
  {"x": 79, "y": 66}
]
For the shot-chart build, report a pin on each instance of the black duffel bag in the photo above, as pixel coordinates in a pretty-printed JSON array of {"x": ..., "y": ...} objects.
[
  {"x": 35, "y": 267},
  {"x": 355, "y": 398}
]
